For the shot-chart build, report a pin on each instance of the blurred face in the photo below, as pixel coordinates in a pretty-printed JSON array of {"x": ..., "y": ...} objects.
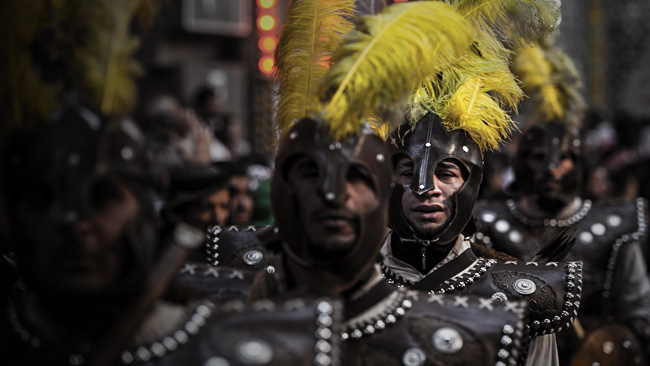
[
  {"x": 429, "y": 213},
  {"x": 549, "y": 180},
  {"x": 332, "y": 227},
  {"x": 241, "y": 204},
  {"x": 83, "y": 258},
  {"x": 212, "y": 209}
]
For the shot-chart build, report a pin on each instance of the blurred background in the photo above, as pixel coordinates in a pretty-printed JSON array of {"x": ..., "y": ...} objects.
[{"x": 228, "y": 44}]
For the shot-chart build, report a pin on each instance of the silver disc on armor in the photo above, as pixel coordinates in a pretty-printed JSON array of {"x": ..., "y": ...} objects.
[
  {"x": 447, "y": 340},
  {"x": 598, "y": 229},
  {"x": 489, "y": 216},
  {"x": 499, "y": 296},
  {"x": 502, "y": 226},
  {"x": 414, "y": 357},
  {"x": 254, "y": 352},
  {"x": 253, "y": 257},
  {"x": 586, "y": 237},
  {"x": 524, "y": 286},
  {"x": 216, "y": 361},
  {"x": 515, "y": 236},
  {"x": 614, "y": 220}
]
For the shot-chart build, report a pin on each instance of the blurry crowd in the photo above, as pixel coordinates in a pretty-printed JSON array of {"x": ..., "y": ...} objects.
[{"x": 203, "y": 165}]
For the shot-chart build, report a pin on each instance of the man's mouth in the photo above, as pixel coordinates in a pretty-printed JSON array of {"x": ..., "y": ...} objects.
[
  {"x": 429, "y": 208},
  {"x": 334, "y": 218},
  {"x": 429, "y": 211}
]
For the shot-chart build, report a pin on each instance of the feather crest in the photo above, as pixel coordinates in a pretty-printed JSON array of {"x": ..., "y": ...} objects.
[
  {"x": 24, "y": 98},
  {"x": 366, "y": 75},
  {"x": 529, "y": 20},
  {"x": 313, "y": 29},
  {"x": 549, "y": 76},
  {"x": 473, "y": 108},
  {"x": 107, "y": 56},
  {"x": 476, "y": 94}
]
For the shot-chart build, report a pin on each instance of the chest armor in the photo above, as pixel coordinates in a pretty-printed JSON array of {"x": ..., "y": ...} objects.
[
  {"x": 602, "y": 232},
  {"x": 415, "y": 328},
  {"x": 551, "y": 290},
  {"x": 292, "y": 332}
]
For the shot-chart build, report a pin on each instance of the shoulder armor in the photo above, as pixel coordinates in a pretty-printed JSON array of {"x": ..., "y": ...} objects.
[
  {"x": 236, "y": 247},
  {"x": 415, "y": 328},
  {"x": 552, "y": 290},
  {"x": 199, "y": 280}
]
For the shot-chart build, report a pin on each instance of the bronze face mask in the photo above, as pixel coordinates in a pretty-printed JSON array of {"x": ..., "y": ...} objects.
[
  {"x": 69, "y": 168},
  {"x": 333, "y": 164},
  {"x": 428, "y": 143},
  {"x": 542, "y": 150}
]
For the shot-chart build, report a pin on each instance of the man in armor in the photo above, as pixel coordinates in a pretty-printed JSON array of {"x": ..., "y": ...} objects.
[
  {"x": 437, "y": 175},
  {"x": 547, "y": 199},
  {"x": 337, "y": 191}
]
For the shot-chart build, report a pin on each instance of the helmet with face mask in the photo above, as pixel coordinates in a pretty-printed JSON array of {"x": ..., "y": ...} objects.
[
  {"x": 336, "y": 161},
  {"x": 62, "y": 174},
  {"x": 346, "y": 93},
  {"x": 428, "y": 143},
  {"x": 457, "y": 115},
  {"x": 542, "y": 150},
  {"x": 551, "y": 79}
]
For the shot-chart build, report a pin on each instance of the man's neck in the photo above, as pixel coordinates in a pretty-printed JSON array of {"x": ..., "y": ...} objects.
[
  {"x": 529, "y": 206},
  {"x": 420, "y": 255}
]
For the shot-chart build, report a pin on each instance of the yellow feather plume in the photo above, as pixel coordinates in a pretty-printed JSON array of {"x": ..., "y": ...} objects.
[
  {"x": 107, "y": 60},
  {"x": 549, "y": 76},
  {"x": 387, "y": 56},
  {"x": 474, "y": 109},
  {"x": 313, "y": 29},
  {"x": 24, "y": 99},
  {"x": 528, "y": 20},
  {"x": 478, "y": 93}
]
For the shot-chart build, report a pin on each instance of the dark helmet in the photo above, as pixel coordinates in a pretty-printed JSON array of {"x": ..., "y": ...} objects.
[
  {"x": 428, "y": 143},
  {"x": 541, "y": 150},
  {"x": 65, "y": 170},
  {"x": 333, "y": 159}
]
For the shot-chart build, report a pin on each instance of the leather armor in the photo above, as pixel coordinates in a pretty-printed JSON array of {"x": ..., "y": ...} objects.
[
  {"x": 602, "y": 232},
  {"x": 552, "y": 290},
  {"x": 413, "y": 328},
  {"x": 237, "y": 247}
]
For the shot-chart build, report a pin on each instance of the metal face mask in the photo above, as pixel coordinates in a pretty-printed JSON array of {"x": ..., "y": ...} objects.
[
  {"x": 548, "y": 163},
  {"x": 66, "y": 172},
  {"x": 428, "y": 143},
  {"x": 333, "y": 165}
]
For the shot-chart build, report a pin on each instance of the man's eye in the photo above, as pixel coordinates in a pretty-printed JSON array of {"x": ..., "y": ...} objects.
[{"x": 406, "y": 173}]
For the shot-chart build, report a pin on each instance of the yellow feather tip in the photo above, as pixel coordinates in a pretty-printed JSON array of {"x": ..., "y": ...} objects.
[
  {"x": 388, "y": 56},
  {"x": 313, "y": 29}
]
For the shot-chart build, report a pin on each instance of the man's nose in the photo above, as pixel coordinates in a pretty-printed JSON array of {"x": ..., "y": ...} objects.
[{"x": 432, "y": 190}]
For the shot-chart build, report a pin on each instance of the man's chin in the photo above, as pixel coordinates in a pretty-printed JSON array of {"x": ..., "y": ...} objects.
[{"x": 332, "y": 247}]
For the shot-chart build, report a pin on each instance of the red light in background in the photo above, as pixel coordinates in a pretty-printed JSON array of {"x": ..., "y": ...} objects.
[
  {"x": 268, "y": 25},
  {"x": 266, "y": 22},
  {"x": 266, "y": 64},
  {"x": 265, "y": 4},
  {"x": 267, "y": 43}
]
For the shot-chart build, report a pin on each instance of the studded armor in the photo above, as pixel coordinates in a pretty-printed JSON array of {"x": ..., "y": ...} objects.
[
  {"x": 414, "y": 328},
  {"x": 552, "y": 290},
  {"x": 292, "y": 332},
  {"x": 607, "y": 241},
  {"x": 237, "y": 247}
]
